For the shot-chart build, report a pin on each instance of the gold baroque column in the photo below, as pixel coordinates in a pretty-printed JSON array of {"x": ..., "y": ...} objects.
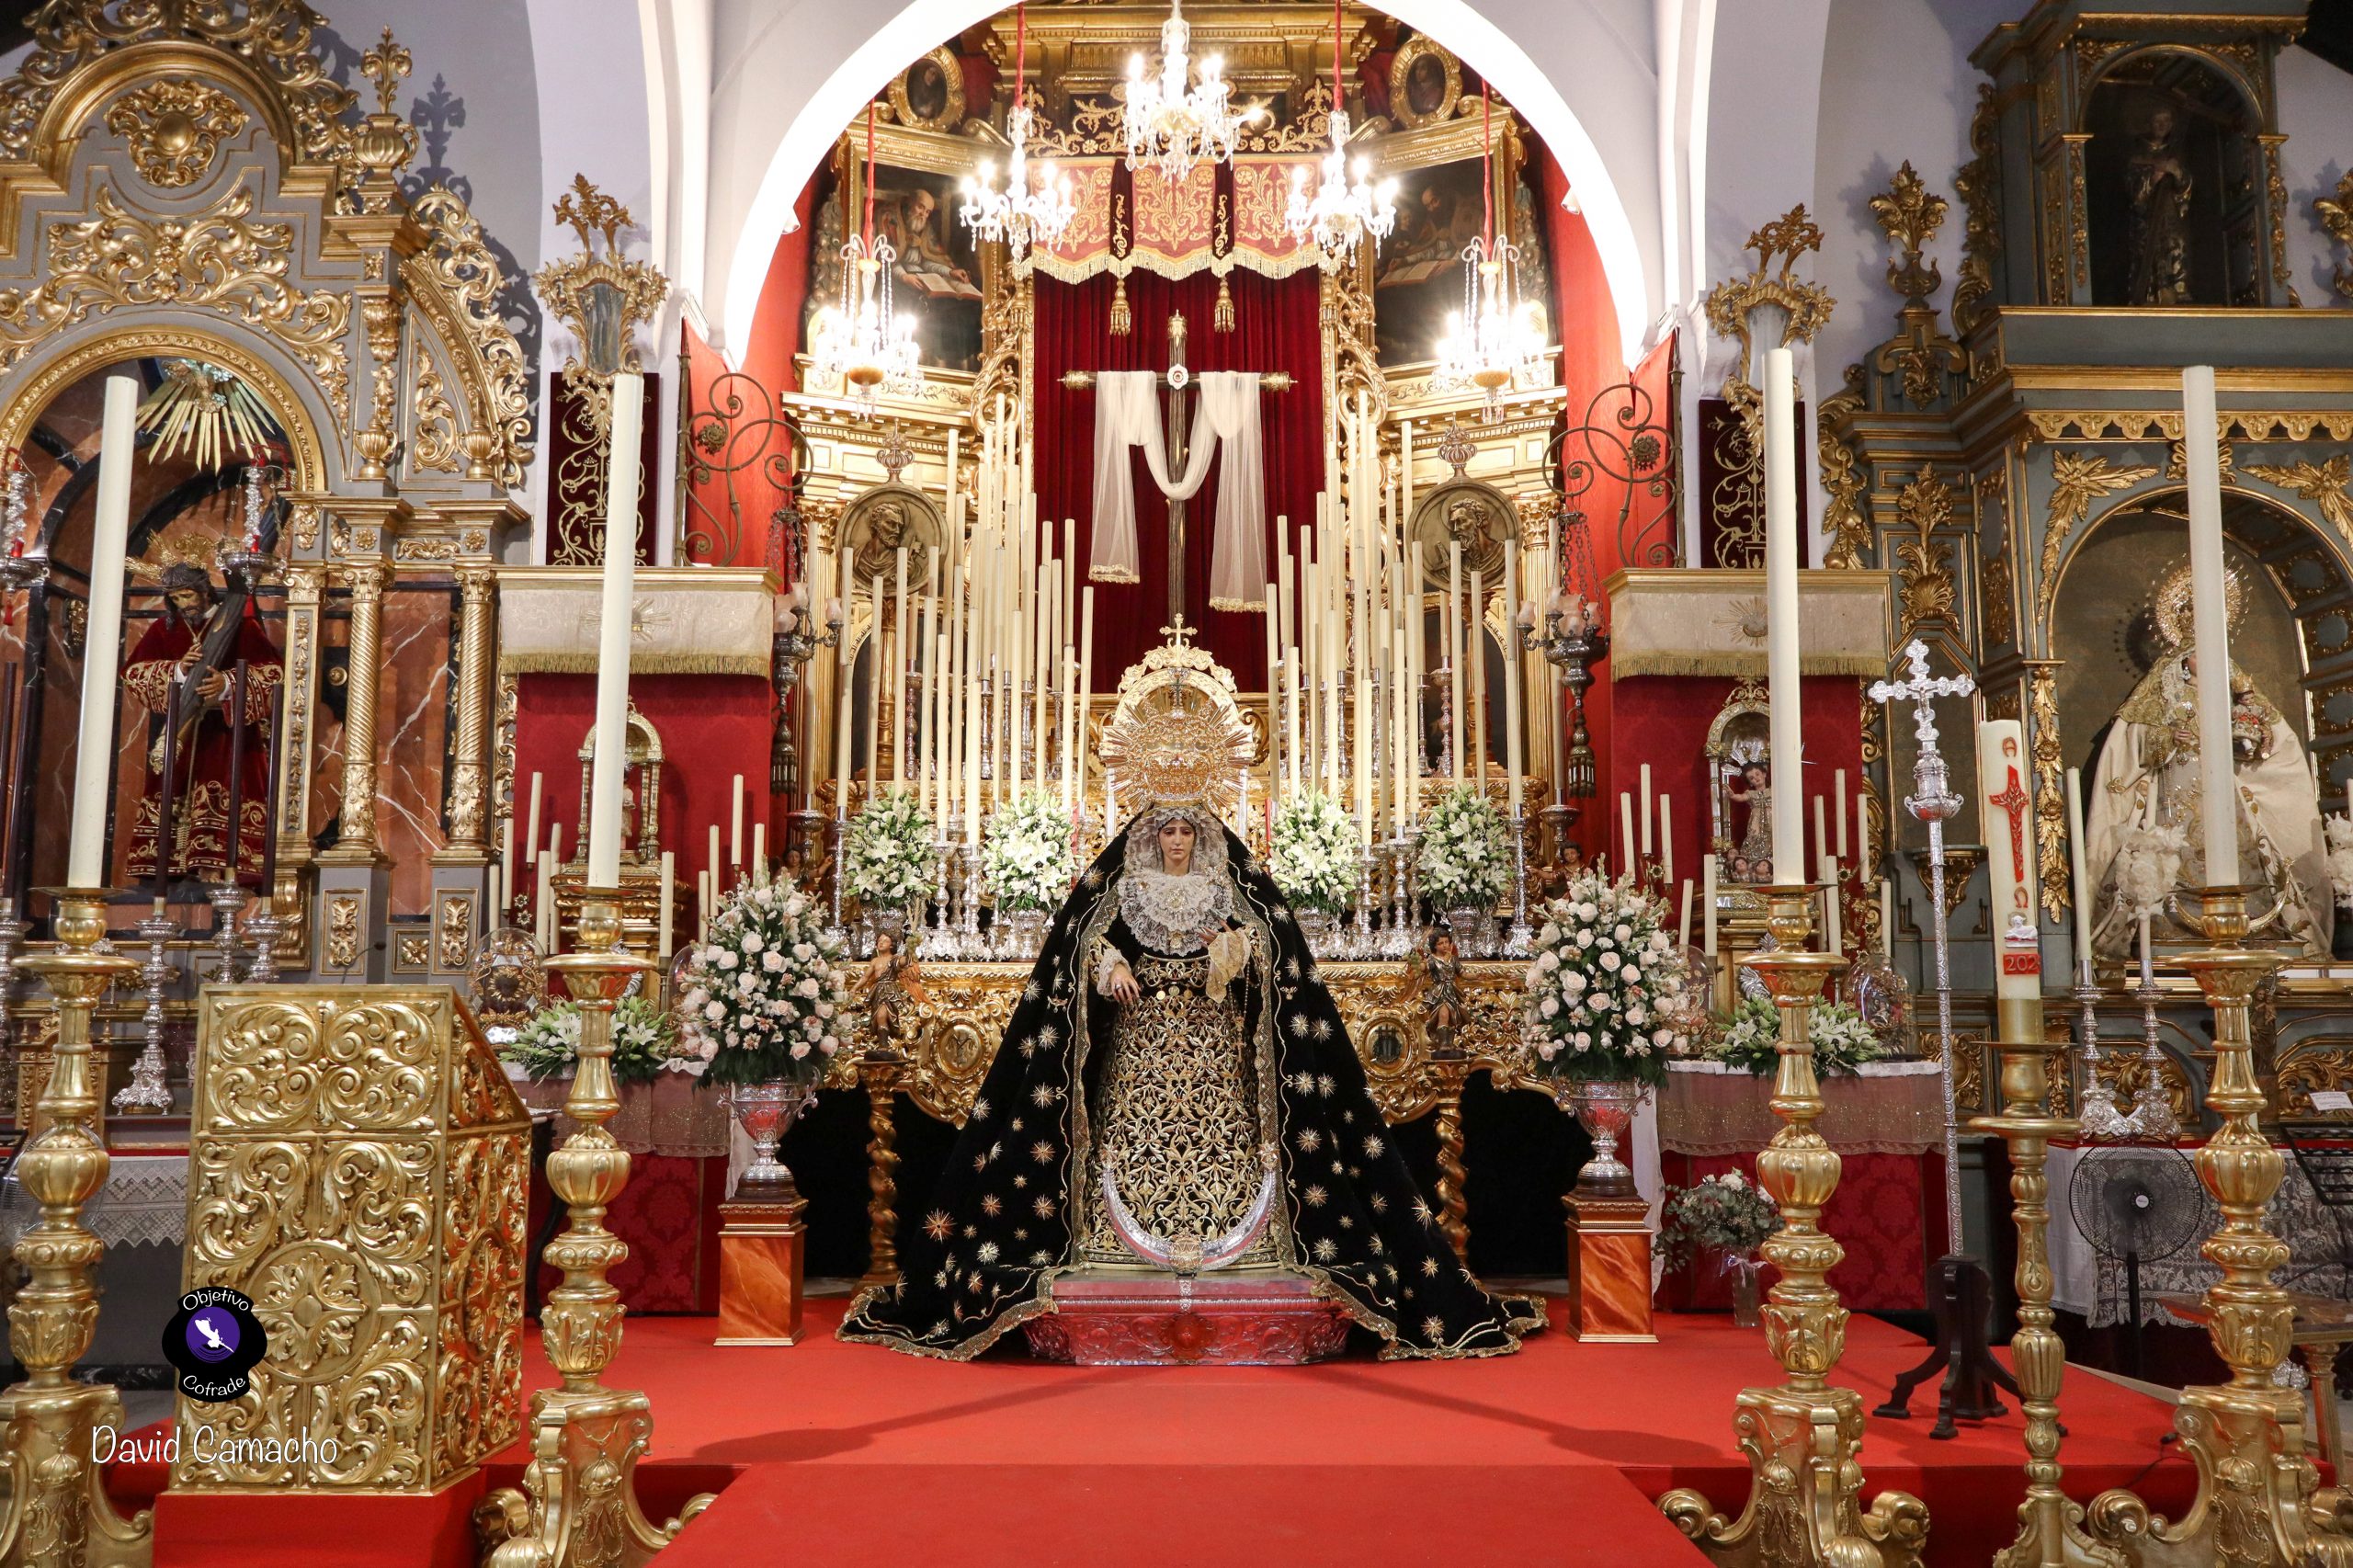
[
  {"x": 577, "y": 1506},
  {"x": 57, "y": 1512},
  {"x": 469, "y": 773},
  {"x": 2051, "y": 1533},
  {"x": 1804, "y": 1439},
  {"x": 2259, "y": 1504},
  {"x": 303, "y": 593},
  {"x": 356, "y": 836}
]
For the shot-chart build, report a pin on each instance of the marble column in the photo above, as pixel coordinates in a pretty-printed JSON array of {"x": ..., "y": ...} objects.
[
  {"x": 355, "y": 882},
  {"x": 460, "y": 889}
]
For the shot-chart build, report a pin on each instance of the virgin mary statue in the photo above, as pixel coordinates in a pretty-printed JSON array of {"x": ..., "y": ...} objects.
[{"x": 1175, "y": 1028}]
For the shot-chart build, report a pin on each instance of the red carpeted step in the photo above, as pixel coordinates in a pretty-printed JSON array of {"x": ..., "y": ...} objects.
[{"x": 1186, "y": 1516}]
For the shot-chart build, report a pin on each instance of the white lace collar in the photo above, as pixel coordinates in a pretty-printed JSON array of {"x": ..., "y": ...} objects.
[{"x": 1169, "y": 914}]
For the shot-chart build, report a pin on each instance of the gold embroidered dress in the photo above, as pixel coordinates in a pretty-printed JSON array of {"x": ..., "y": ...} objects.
[{"x": 1178, "y": 1106}]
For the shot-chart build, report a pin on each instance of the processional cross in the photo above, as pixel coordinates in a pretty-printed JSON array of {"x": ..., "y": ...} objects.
[{"x": 1177, "y": 379}]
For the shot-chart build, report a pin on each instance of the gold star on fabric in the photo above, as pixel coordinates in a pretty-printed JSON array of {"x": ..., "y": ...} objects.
[
  {"x": 1309, "y": 1140},
  {"x": 1429, "y": 1268},
  {"x": 1327, "y": 1250},
  {"x": 1041, "y": 1151},
  {"x": 988, "y": 1252},
  {"x": 1043, "y": 1208},
  {"x": 1314, "y": 1197},
  {"x": 992, "y": 1205},
  {"x": 981, "y": 1109},
  {"x": 1432, "y": 1327},
  {"x": 938, "y": 1226}
]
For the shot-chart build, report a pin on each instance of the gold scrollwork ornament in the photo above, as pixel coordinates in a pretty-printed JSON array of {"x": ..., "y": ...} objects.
[{"x": 175, "y": 127}]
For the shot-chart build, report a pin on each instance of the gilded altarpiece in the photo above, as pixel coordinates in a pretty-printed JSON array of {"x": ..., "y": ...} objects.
[{"x": 275, "y": 241}]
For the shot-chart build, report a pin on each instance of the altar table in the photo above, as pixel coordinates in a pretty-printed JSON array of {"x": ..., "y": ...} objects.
[
  {"x": 677, "y": 1135},
  {"x": 1887, "y": 1123}
]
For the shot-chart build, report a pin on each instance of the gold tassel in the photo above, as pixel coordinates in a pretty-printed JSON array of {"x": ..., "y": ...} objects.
[
  {"x": 1123, "y": 320},
  {"x": 1222, "y": 319}
]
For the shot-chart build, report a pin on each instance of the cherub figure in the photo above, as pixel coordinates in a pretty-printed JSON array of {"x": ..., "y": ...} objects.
[
  {"x": 1438, "y": 984},
  {"x": 893, "y": 990}
]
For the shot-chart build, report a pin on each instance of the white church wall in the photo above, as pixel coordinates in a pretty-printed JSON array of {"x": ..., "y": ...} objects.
[{"x": 2316, "y": 111}]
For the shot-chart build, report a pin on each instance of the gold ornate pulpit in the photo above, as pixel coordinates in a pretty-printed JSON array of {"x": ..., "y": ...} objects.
[{"x": 358, "y": 1167}]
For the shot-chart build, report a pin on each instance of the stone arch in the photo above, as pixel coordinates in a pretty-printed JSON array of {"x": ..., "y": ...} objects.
[{"x": 877, "y": 50}]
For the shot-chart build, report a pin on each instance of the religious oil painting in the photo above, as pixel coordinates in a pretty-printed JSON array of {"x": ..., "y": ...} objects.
[
  {"x": 1419, "y": 278},
  {"x": 935, "y": 276}
]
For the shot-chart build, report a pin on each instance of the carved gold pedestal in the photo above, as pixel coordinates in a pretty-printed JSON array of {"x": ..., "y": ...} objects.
[
  {"x": 881, "y": 1071},
  {"x": 1804, "y": 1439},
  {"x": 2051, "y": 1532},
  {"x": 2259, "y": 1501},
  {"x": 57, "y": 1512},
  {"x": 577, "y": 1506}
]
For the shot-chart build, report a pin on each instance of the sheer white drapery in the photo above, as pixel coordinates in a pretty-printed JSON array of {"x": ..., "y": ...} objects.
[{"x": 1127, "y": 414}]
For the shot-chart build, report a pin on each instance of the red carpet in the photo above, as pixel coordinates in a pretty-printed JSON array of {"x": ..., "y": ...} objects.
[{"x": 850, "y": 1452}]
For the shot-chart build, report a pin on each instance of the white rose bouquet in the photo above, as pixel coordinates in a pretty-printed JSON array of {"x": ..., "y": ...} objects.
[
  {"x": 1026, "y": 854},
  {"x": 889, "y": 857},
  {"x": 1842, "y": 1040},
  {"x": 2341, "y": 858},
  {"x": 761, "y": 996},
  {"x": 1465, "y": 858},
  {"x": 645, "y": 1042},
  {"x": 1606, "y": 985},
  {"x": 1316, "y": 856}
]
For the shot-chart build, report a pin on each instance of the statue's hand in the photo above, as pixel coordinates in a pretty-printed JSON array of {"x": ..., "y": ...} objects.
[{"x": 1123, "y": 985}]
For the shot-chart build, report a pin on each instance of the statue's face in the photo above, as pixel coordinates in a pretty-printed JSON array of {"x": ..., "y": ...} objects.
[
  {"x": 889, "y": 525},
  {"x": 186, "y": 603},
  {"x": 1444, "y": 947},
  {"x": 2161, "y": 125},
  {"x": 1177, "y": 837}
]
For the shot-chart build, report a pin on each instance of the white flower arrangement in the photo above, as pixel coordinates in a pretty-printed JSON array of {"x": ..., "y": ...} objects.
[
  {"x": 645, "y": 1044},
  {"x": 1842, "y": 1040},
  {"x": 889, "y": 857},
  {"x": 1465, "y": 858},
  {"x": 761, "y": 996},
  {"x": 2341, "y": 858},
  {"x": 1026, "y": 854},
  {"x": 2148, "y": 866},
  {"x": 1606, "y": 985},
  {"x": 1317, "y": 856}
]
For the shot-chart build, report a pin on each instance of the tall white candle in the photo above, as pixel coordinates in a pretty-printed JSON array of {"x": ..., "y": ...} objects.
[
  {"x": 531, "y": 838},
  {"x": 759, "y": 854},
  {"x": 1820, "y": 832},
  {"x": 613, "y": 633},
  {"x": 1475, "y": 646},
  {"x": 1838, "y": 794},
  {"x": 1683, "y": 927},
  {"x": 1708, "y": 902},
  {"x": 715, "y": 862},
  {"x": 2075, "y": 865},
  {"x": 102, "y": 647},
  {"x": 843, "y": 668},
  {"x": 1829, "y": 874},
  {"x": 735, "y": 828},
  {"x": 2200, "y": 463},
  {"x": 669, "y": 881},
  {"x": 1514, "y": 759},
  {"x": 1645, "y": 793},
  {"x": 2006, "y": 819},
  {"x": 1886, "y": 917},
  {"x": 897, "y": 684},
  {"x": 878, "y": 690},
  {"x": 1454, "y": 649},
  {"x": 1666, "y": 840},
  {"x": 1632, "y": 866},
  {"x": 1781, "y": 615}
]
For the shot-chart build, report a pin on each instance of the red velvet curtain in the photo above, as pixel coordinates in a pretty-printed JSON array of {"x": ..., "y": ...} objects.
[{"x": 1275, "y": 329}]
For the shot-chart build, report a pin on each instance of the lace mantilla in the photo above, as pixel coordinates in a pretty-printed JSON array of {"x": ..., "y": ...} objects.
[{"x": 1169, "y": 915}]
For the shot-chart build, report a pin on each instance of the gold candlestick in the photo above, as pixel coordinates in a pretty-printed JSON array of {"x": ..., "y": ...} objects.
[
  {"x": 578, "y": 1505},
  {"x": 2051, "y": 1532},
  {"x": 1804, "y": 1439},
  {"x": 2256, "y": 1504},
  {"x": 58, "y": 1511}
]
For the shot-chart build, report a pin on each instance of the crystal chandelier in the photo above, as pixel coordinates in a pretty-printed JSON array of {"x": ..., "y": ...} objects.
[
  {"x": 1496, "y": 340},
  {"x": 1019, "y": 215},
  {"x": 1341, "y": 211},
  {"x": 859, "y": 339},
  {"x": 1176, "y": 123}
]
